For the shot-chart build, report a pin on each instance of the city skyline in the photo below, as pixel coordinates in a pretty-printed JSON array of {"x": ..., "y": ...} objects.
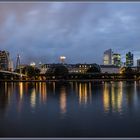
[
  {"x": 46, "y": 30},
  {"x": 109, "y": 58}
]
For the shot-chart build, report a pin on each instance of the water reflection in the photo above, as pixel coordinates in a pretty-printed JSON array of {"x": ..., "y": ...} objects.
[
  {"x": 84, "y": 105},
  {"x": 4, "y": 97},
  {"x": 43, "y": 92},
  {"x": 83, "y": 90},
  {"x": 130, "y": 93},
  {"x": 115, "y": 97},
  {"x": 82, "y": 93},
  {"x": 63, "y": 100},
  {"x": 21, "y": 90},
  {"x": 138, "y": 90},
  {"x": 90, "y": 92},
  {"x": 53, "y": 87},
  {"x": 33, "y": 98},
  {"x": 112, "y": 97}
]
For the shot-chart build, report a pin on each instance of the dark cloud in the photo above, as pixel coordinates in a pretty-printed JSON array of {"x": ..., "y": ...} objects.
[{"x": 80, "y": 31}]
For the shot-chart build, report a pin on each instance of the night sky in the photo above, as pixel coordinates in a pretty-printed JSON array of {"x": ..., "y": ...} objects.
[{"x": 80, "y": 31}]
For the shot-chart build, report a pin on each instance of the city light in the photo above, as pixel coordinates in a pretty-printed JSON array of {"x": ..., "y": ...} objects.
[
  {"x": 32, "y": 64},
  {"x": 62, "y": 59}
]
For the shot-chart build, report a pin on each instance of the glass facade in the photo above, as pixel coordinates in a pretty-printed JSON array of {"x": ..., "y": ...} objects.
[
  {"x": 107, "y": 60},
  {"x": 4, "y": 60},
  {"x": 116, "y": 59},
  {"x": 129, "y": 59}
]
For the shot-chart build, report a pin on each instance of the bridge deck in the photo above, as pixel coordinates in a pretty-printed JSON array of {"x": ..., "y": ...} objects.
[{"x": 13, "y": 73}]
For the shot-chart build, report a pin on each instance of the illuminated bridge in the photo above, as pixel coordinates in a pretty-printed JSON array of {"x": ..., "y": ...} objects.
[{"x": 10, "y": 75}]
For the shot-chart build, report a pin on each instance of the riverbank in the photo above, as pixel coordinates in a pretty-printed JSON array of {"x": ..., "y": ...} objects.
[{"x": 72, "y": 80}]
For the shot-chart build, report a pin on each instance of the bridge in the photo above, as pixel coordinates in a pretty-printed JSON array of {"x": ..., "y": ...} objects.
[{"x": 11, "y": 74}]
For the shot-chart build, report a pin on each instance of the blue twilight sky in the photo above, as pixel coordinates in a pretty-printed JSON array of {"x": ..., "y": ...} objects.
[{"x": 79, "y": 30}]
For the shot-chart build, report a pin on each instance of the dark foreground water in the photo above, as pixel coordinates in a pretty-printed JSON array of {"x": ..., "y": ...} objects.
[{"x": 75, "y": 109}]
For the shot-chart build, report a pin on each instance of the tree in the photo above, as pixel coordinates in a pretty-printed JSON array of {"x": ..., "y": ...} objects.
[
  {"x": 59, "y": 71},
  {"x": 128, "y": 72},
  {"x": 94, "y": 69},
  {"x": 31, "y": 71}
]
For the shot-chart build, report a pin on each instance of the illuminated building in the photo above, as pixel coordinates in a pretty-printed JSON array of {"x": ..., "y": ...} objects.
[
  {"x": 116, "y": 59},
  {"x": 72, "y": 68},
  {"x": 81, "y": 68},
  {"x": 108, "y": 57},
  {"x": 4, "y": 60},
  {"x": 138, "y": 62},
  {"x": 129, "y": 59},
  {"x": 110, "y": 69}
]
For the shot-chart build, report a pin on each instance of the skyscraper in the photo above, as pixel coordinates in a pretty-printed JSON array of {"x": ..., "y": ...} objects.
[
  {"x": 18, "y": 62},
  {"x": 108, "y": 57},
  {"x": 4, "y": 60},
  {"x": 138, "y": 62},
  {"x": 129, "y": 59},
  {"x": 116, "y": 59}
]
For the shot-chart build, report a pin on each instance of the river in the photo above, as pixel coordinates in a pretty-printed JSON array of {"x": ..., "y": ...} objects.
[{"x": 71, "y": 109}]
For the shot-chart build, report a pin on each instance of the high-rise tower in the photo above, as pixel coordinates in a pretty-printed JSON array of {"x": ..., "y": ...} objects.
[
  {"x": 108, "y": 57},
  {"x": 129, "y": 59},
  {"x": 116, "y": 59},
  {"x": 4, "y": 60},
  {"x": 18, "y": 62}
]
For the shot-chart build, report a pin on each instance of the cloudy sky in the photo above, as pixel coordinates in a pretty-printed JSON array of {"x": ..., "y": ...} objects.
[{"x": 80, "y": 31}]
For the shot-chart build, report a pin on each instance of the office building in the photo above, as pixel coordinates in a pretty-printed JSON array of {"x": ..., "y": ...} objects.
[
  {"x": 4, "y": 60},
  {"x": 138, "y": 62},
  {"x": 116, "y": 59},
  {"x": 107, "y": 60},
  {"x": 129, "y": 59}
]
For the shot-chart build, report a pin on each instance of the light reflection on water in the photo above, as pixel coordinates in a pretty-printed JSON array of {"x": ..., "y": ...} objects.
[
  {"x": 63, "y": 100},
  {"x": 83, "y": 93},
  {"x": 112, "y": 97},
  {"x": 33, "y": 98},
  {"x": 102, "y": 100},
  {"x": 43, "y": 92},
  {"x": 112, "y": 93}
]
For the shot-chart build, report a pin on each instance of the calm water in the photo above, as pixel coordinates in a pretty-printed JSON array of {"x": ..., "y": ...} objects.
[{"x": 75, "y": 109}]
